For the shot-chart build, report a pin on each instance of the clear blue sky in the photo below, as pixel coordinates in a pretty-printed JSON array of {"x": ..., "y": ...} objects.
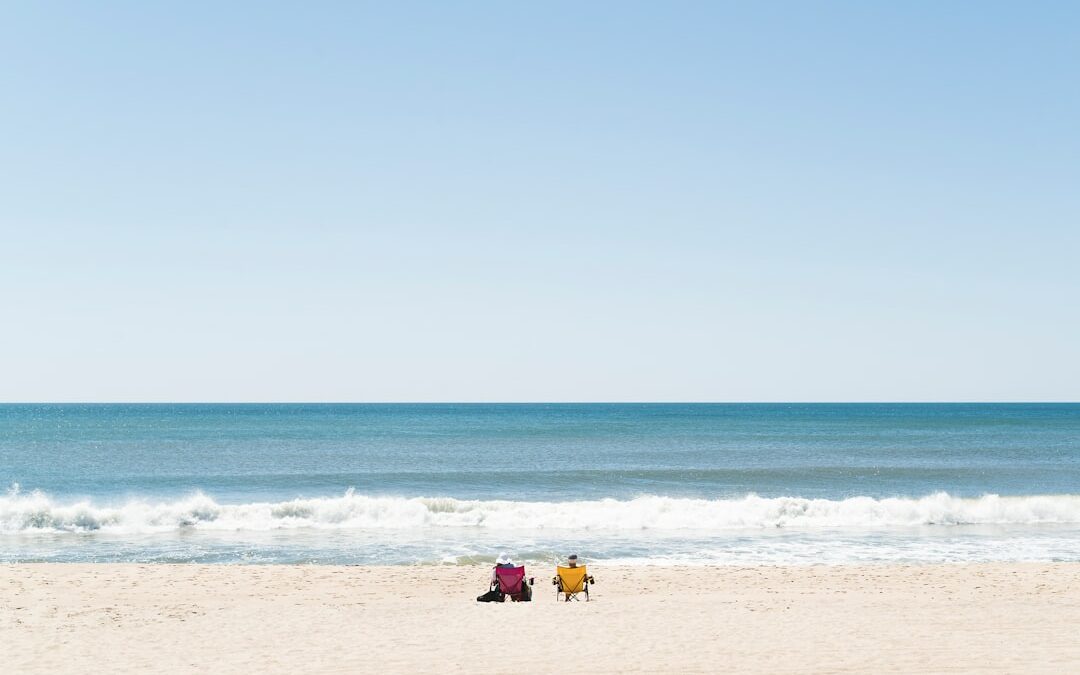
[{"x": 539, "y": 201}]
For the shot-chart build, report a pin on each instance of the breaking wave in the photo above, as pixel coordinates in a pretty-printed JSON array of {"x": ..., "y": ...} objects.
[{"x": 38, "y": 512}]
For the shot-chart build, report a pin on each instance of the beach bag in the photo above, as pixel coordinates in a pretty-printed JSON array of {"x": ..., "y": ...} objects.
[{"x": 494, "y": 595}]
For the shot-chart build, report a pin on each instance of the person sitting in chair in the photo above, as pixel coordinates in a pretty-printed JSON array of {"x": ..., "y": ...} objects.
[
  {"x": 504, "y": 560},
  {"x": 494, "y": 594},
  {"x": 572, "y": 563}
]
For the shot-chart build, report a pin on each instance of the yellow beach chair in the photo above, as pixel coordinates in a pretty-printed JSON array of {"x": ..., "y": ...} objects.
[{"x": 571, "y": 581}]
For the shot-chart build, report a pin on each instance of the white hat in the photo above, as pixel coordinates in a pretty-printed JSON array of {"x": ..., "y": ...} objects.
[{"x": 504, "y": 559}]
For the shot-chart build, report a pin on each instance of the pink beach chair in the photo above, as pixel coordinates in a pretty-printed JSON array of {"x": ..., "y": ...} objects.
[{"x": 512, "y": 583}]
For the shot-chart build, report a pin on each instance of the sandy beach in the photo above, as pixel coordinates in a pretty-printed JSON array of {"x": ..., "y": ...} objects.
[{"x": 278, "y": 618}]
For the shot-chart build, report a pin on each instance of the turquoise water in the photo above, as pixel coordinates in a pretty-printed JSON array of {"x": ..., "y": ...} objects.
[{"x": 404, "y": 483}]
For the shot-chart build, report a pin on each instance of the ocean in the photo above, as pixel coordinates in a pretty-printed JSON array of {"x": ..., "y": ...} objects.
[{"x": 732, "y": 484}]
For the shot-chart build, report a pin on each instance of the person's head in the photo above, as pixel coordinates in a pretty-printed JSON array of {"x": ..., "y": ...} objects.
[
  {"x": 571, "y": 560},
  {"x": 504, "y": 559}
]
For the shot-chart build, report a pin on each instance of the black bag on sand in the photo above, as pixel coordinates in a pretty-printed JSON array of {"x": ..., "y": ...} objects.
[
  {"x": 526, "y": 593},
  {"x": 494, "y": 595}
]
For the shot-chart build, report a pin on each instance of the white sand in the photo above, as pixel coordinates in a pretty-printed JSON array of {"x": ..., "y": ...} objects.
[{"x": 969, "y": 618}]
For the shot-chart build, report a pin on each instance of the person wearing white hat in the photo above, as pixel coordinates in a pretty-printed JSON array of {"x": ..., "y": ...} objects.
[
  {"x": 495, "y": 595},
  {"x": 504, "y": 560}
]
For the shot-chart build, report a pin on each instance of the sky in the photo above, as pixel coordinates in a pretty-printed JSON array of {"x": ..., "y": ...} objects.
[{"x": 624, "y": 201}]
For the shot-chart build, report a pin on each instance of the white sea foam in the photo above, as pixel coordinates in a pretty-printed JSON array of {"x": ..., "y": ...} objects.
[{"x": 36, "y": 511}]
